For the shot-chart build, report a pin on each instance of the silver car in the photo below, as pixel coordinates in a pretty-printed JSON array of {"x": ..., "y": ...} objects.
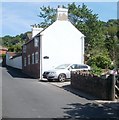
[{"x": 63, "y": 71}]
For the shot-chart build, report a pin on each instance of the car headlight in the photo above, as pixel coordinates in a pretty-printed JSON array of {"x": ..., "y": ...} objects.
[{"x": 52, "y": 73}]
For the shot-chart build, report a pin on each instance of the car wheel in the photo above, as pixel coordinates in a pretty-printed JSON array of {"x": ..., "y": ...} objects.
[{"x": 62, "y": 77}]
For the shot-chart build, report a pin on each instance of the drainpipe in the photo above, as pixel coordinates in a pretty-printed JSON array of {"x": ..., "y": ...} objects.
[
  {"x": 83, "y": 40},
  {"x": 41, "y": 57}
]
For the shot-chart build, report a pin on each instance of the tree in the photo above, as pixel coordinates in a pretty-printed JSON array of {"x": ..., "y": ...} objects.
[
  {"x": 13, "y": 43},
  {"x": 112, "y": 40},
  {"x": 18, "y": 48},
  {"x": 48, "y": 14},
  {"x": 85, "y": 21}
]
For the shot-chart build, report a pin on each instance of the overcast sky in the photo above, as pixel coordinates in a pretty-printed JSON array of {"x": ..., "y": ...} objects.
[{"x": 18, "y": 16}]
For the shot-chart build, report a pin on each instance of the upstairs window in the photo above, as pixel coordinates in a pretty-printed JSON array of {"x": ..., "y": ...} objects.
[
  {"x": 28, "y": 59},
  {"x": 36, "y": 57},
  {"x": 25, "y": 61},
  {"x": 36, "y": 41}
]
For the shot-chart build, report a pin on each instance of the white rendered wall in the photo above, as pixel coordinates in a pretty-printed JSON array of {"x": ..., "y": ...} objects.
[
  {"x": 16, "y": 62},
  {"x": 62, "y": 43},
  {"x": 8, "y": 62},
  {"x": 35, "y": 31}
]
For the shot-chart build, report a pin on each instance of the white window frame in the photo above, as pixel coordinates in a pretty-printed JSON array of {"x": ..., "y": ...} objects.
[
  {"x": 33, "y": 58},
  {"x": 28, "y": 59},
  {"x": 25, "y": 61},
  {"x": 36, "y": 41},
  {"x": 36, "y": 57}
]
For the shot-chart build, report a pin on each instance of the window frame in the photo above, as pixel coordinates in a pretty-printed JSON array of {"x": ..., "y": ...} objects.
[
  {"x": 36, "y": 57},
  {"x": 25, "y": 62},
  {"x": 29, "y": 60},
  {"x": 33, "y": 61},
  {"x": 36, "y": 41}
]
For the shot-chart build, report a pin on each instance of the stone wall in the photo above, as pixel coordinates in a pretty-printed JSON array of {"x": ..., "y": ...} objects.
[{"x": 94, "y": 85}]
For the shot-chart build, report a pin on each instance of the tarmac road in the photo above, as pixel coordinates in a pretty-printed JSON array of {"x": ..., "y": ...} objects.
[{"x": 24, "y": 97}]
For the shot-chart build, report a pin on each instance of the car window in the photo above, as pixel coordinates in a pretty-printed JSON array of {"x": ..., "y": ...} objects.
[
  {"x": 63, "y": 66},
  {"x": 78, "y": 67},
  {"x": 84, "y": 66},
  {"x": 74, "y": 66}
]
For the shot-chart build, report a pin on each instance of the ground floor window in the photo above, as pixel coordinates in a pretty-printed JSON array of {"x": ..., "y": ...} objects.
[
  {"x": 36, "y": 57},
  {"x": 33, "y": 58},
  {"x": 28, "y": 59},
  {"x": 25, "y": 61}
]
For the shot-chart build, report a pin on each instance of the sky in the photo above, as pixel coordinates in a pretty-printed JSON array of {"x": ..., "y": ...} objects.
[{"x": 16, "y": 17}]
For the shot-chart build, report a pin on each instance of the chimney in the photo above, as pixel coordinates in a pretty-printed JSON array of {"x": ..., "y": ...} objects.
[
  {"x": 62, "y": 14},
  {"x": 36, "y": 29}
]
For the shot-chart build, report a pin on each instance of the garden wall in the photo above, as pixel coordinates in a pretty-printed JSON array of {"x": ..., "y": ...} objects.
[{"x": 94, "y": 85}]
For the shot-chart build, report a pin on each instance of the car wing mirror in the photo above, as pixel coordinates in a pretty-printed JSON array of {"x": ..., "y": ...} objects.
[{"x": 69, "y": 68}]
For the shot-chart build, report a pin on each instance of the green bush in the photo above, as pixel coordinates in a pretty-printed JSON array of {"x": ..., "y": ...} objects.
[
  {"x": 96, "y": 70},
  {"x": 111, "y": 67},
  {"x": 101, "y": 61},
  {"x": 15, "y": 48},
  {"x": 11, "y": 49}
]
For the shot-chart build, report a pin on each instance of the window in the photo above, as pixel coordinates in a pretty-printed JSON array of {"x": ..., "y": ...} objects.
[
  {"x": 28, "y": 59},
  {"x": 63, "y": 66},
  {"x": 36, "y": 57},
  {"x": 84, "y": 66},
  {"x": 36, "y": 41},
  {"x": 25, "y": 61},
  {"x": 77, "y": 66},
  {"x": 74, "y": 66},
  {"x": 33, "y": 58},
  {"x": 24, "y": 49}
]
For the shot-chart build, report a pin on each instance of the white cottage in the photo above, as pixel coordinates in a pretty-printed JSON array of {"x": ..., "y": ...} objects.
[{"x": 60, "y": 43}]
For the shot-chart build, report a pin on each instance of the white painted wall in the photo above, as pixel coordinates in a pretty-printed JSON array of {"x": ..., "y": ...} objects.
[
  {"x": 15, "y": 62},
  {"x": 8, "y": 61},
  {"x": 35, "y": 31},
  {"x": 63, "y": 43}
]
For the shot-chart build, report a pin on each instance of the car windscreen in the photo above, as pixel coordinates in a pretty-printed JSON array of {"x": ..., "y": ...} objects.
[{"x": 62, "y": 66}]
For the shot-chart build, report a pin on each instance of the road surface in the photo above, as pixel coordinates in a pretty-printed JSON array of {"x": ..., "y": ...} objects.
[{"x": 24, "y": 97}]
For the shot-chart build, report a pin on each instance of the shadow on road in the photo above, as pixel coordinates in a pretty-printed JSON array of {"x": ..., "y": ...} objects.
[
  {"x": 90, "y": 111},
  {"x": 16, "y": 73},
  {"x": 79, "y": 93}
]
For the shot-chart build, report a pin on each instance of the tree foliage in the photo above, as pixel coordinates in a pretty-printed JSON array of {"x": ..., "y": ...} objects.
[
  {"x": 13, "y": 43},
  {"x": 100, "y": 60},
  {"x": 101, "y": 37},
  {"x": 48, "y": 14}
]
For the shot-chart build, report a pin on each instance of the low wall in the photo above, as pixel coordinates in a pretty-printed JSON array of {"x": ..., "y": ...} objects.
[
  {"x": 94, "y": 85},
  {"x": 14, "y": 62}
]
